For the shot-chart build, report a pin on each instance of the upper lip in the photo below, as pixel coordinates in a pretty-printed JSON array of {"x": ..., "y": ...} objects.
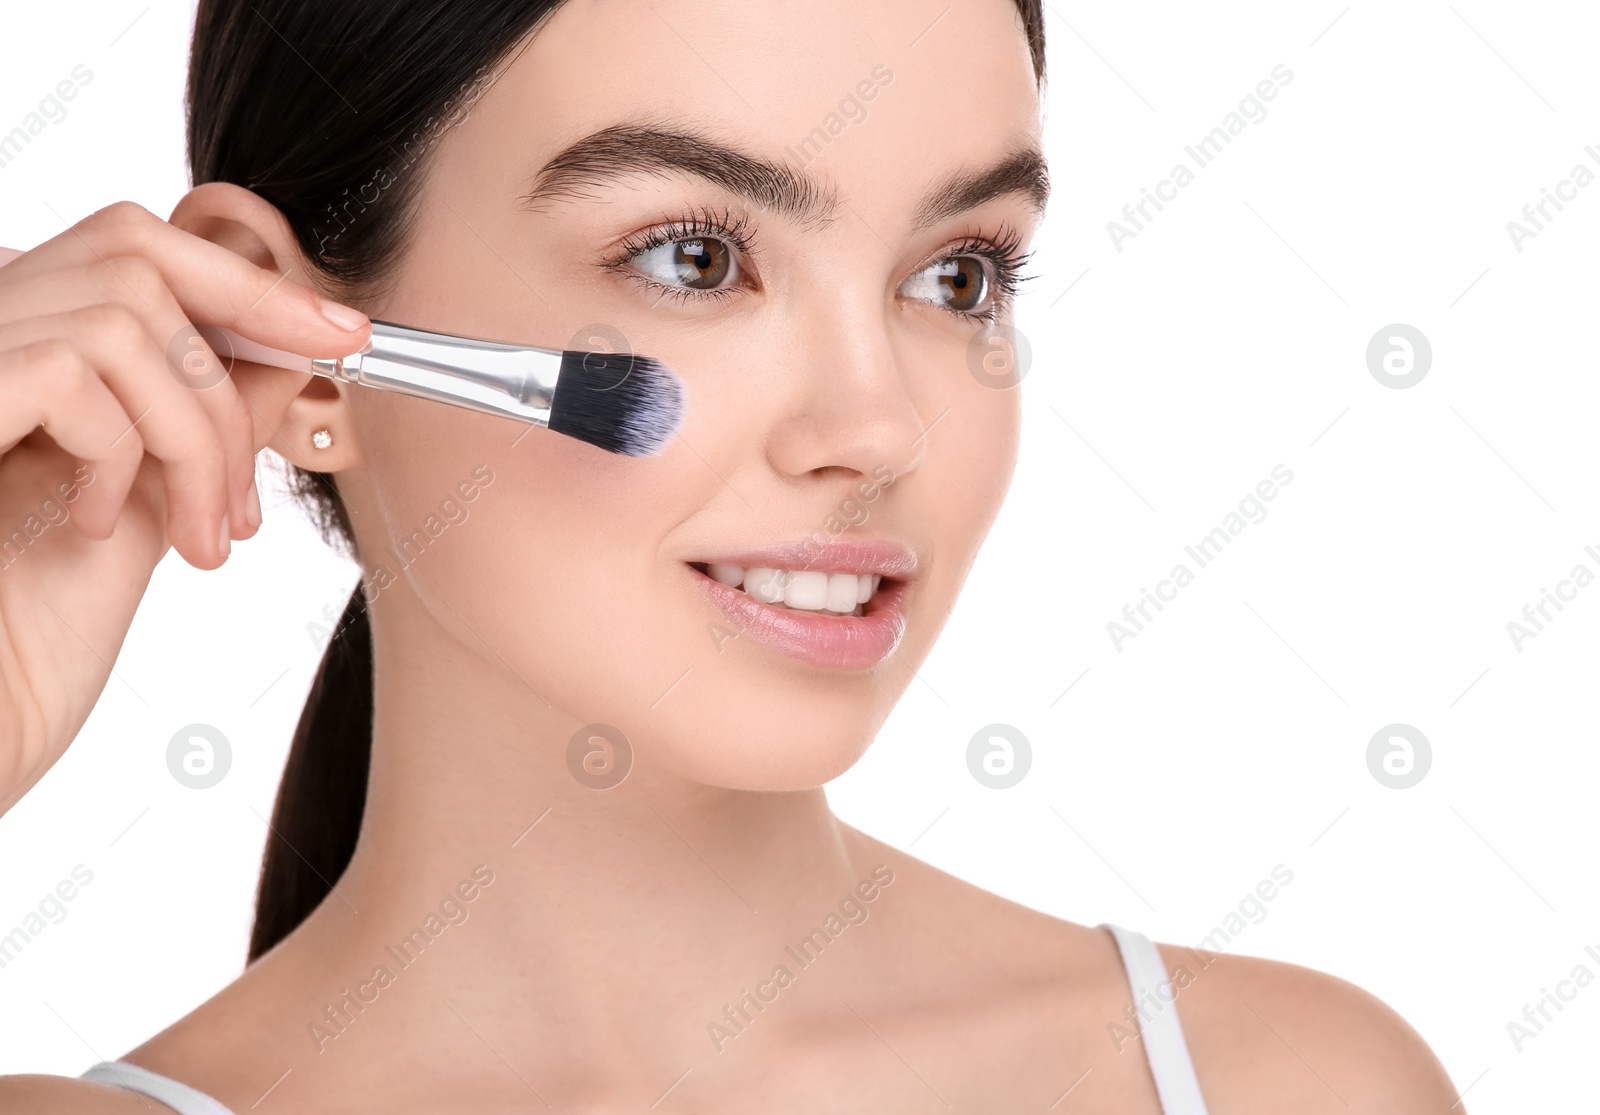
[{"x": 856, "y": 555}]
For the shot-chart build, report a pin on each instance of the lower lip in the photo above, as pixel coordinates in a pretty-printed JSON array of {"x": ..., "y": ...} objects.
[{"x": 831, "y": 642}]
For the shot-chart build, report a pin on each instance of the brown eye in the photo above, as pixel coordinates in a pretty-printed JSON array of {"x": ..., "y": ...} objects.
[
  {"x": 698, "y": 263},
  {"x": 960, "y": 283}
]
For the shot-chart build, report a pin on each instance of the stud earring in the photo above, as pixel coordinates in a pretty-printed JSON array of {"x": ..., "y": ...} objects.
[{"x": 321, "y": 438}]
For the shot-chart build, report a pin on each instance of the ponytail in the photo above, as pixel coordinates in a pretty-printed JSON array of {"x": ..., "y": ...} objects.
[{"x": 317, "y": 815}]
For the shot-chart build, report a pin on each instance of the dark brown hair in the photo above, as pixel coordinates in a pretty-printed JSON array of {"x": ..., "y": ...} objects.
[{"x": 327, "y": 110}]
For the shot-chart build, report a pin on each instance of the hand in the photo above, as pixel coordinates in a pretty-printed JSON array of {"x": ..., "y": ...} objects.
[{"x": 112, "y": 451}]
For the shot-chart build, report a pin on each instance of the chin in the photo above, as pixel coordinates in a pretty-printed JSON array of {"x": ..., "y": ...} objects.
[{"x": 769, "y": 753}]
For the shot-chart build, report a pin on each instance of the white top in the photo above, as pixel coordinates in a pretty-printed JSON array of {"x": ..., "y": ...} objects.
[
  {"x": 1161, "y": 1032},
  {"x": 180, "y": 1097},
  {"x": 1160, "y": 1028}
]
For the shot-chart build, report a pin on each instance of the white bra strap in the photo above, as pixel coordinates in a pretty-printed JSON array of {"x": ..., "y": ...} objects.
[
  {"x": 1161, "y": 1030},
  {"x": 175, "y": 1094}
]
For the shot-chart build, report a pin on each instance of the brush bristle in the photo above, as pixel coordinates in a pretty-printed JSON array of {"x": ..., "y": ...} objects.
[{"x": 619, "y": 401}]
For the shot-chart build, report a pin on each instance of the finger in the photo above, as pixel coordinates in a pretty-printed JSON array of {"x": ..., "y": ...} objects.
[
  {"x": 173, "y": 425},
  {"x": 265, "y": 392},
  {"x": 213, "y": 284},
  {"x": 134, "y": 282},
  {"x": 51, "y": 384}
]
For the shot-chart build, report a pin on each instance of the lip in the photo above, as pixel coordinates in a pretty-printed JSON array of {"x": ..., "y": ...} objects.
[
  {"x": 846, "y": 643},
  {"x": 856, "y": 555}
]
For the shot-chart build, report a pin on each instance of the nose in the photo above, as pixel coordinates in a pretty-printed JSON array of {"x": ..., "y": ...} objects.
[{"x": 854, "y": 406}]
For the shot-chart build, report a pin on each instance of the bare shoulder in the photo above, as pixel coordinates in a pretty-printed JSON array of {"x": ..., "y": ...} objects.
[
  {"x": 1264, "y": 1034},
  {"x": 67, "y": 1095},
  {"x": 971, "y": 931}
]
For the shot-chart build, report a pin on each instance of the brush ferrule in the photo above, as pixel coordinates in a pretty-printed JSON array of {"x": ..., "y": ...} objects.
[{"x": 516, "y": 381}]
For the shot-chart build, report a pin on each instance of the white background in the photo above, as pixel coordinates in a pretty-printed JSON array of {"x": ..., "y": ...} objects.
[{"x": 1167, "y": 379}]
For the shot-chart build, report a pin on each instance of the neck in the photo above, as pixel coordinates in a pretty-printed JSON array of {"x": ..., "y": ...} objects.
[{"x": 633, "y": 914}]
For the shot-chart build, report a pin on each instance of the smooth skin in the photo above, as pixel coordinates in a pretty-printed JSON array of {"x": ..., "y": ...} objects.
[{"x": 620, "y": 924}]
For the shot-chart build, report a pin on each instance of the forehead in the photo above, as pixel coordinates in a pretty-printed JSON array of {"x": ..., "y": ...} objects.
[{"x": 856, "y": 98}]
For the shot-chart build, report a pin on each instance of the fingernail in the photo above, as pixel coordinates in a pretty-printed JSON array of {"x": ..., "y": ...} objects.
[
  {"x": 342, "y": 316},
  {"x": 252, "y": 506},
  {"x": 223, "y": 545}
]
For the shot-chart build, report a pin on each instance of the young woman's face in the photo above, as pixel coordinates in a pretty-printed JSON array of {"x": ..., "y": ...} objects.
[{"x": 838, "y": 402}]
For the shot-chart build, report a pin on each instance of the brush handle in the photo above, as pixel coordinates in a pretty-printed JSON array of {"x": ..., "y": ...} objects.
[{"x": 492, "y": 377}]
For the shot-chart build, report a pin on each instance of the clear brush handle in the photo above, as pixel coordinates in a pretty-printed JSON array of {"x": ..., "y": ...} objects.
[{"x": 516, "y": 381}]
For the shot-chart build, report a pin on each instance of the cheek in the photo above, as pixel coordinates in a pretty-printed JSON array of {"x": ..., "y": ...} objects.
[
  {"x": 539, "y": 494},
  {"x": 972, "y": 465},
  {"x": 957, "y": 492},
  {"x": 575, "y": 584},
  {"x": 558, "y": 565}
]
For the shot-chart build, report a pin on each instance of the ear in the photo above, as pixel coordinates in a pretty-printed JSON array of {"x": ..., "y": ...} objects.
[{"x": 250, "y": 226}]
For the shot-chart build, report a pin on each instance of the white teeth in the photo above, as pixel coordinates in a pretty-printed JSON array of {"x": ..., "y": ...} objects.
[
  {"x": 806, "y": 590},
  {"x": 729, "y": 575},
  {"x": 843, "y": 588},
  {"x": 765, "y": 585}
]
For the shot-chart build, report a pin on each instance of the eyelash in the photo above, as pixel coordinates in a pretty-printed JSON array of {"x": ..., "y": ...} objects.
[
  {"x": 691, "y": 226},
  {"x": 1001, "y": 252},
  {"x": 1008, "y": 262}
]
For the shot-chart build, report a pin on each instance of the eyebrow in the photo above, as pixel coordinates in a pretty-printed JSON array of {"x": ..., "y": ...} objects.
[{"x": 623, "y": 150}]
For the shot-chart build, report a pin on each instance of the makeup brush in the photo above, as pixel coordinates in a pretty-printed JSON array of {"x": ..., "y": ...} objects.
[{"x": 619, "y": 401}]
